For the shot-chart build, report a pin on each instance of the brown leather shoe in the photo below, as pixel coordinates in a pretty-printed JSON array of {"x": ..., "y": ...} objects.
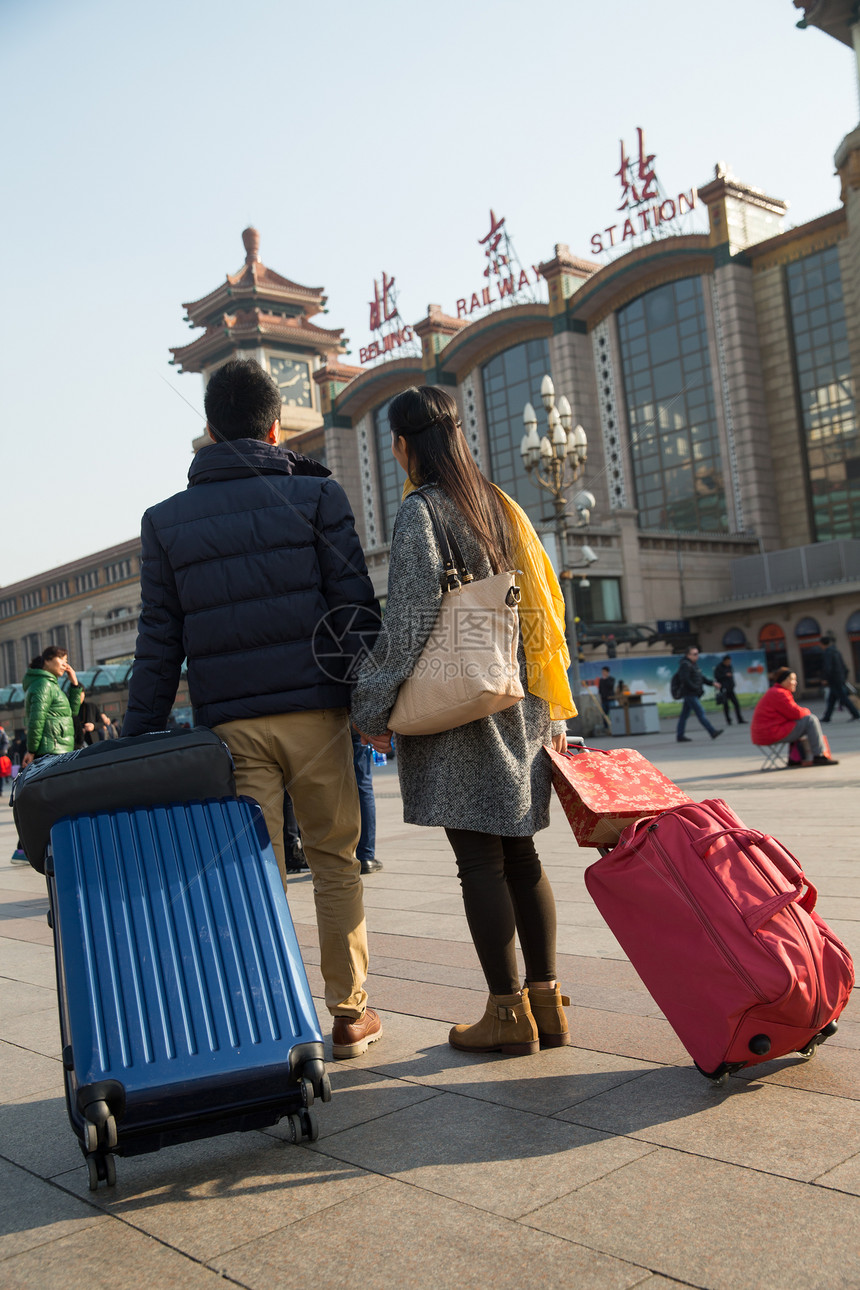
[{"x": 352, "y": 1036}]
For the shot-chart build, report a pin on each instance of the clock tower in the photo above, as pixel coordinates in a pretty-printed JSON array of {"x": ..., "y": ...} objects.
[{"x": 258, "y": 314}]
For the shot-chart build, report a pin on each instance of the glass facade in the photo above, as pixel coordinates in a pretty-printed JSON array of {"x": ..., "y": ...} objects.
[
  {"x": 674, "y": 440},
  {"x": 391, "y": 476},
  {"x": 826, "y": 393},
  {"x": 511, "y": 380}
]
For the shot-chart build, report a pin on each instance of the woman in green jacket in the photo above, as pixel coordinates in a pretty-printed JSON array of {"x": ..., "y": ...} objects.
[{"x": 48, "y": 712}]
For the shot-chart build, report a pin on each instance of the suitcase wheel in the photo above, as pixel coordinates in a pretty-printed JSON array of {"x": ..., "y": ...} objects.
[
  {"x": 304, "y": 1124},
  {"x": 720, "y": 1076},
  {"x": 101, "y": 1168},
  {"x": 325, "y": 1088},
  {"x": 310, "y": 1124},
  {"x": 810, "y": 1049},
  {"x": 307, "y": 1092}
]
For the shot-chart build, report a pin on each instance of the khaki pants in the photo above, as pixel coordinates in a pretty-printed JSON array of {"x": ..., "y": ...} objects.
[{"x": 310, "y": 753}]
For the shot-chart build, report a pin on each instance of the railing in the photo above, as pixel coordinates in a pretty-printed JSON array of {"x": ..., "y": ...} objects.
[{"x": 818, "y": 565}]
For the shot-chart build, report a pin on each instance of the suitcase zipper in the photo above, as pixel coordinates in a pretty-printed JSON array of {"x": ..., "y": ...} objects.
[{"x": 705, "y": 921}]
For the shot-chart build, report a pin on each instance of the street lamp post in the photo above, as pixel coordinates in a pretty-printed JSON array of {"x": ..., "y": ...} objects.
[{"x": 554, "y": 462}]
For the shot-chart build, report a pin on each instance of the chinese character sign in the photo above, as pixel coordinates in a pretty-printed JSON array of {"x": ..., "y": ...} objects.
[
  {"x": 382, "y": 307},
  {"x": 641, "y": 185},
  {"x": 496, "y": 260}
]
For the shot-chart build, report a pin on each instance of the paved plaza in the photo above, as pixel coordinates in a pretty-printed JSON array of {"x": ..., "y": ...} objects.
[{"x": 609, "y": 1164}]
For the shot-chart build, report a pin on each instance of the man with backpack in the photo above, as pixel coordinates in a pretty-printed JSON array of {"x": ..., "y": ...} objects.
[{"x": 688, "y": 684}]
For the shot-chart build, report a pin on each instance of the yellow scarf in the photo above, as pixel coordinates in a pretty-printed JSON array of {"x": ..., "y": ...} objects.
[{"x": 541, "y": 614}]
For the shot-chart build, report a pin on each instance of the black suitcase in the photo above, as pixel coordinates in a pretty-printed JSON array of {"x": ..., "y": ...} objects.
[
  {"x": 185, "y": 1010},
  {"x": 118, "y": 774}
]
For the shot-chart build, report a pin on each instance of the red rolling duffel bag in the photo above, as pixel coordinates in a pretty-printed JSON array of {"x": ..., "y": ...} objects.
[{"x": 719, "y": 922}]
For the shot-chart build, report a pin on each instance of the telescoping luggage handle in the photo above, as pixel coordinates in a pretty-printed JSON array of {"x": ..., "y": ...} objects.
[{"x": 787, "y": 865}]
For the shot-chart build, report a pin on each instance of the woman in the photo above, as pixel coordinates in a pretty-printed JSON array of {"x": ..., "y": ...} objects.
[
  {"x": 48, "y": 713},
  {"x": 486, "y": 783},
  {"x": 777, "y": 716}
]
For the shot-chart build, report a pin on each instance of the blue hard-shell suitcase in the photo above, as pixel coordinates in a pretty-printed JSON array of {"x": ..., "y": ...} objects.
[{"x": 185, "y": 1010}]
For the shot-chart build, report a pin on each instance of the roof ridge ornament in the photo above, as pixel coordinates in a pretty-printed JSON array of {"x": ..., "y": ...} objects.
[{"x": 251, "y": 243}]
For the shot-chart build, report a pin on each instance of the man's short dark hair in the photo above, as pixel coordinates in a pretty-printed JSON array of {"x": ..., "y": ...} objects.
[
  {"x": 604, "y": 669},
  {"x": 241, "y": 401}
]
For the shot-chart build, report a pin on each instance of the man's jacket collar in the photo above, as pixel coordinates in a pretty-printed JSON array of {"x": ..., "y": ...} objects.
[{"x": 243, "y": 457}]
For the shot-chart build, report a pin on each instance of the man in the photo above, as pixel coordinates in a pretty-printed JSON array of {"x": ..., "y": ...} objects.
[
  {"x": 606, "y": 689},
  {"x": 835, "y": 673},
  {"x": 691, "y": 684},
  {"x": 256, "y": 574},
  {"x": 724, "y": 677}
]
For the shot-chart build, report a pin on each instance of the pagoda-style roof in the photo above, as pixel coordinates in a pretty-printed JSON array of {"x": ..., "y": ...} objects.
[
  {"x": 255, "y": 282},
  {"x": 252, "y": 327},
  {"x": 251, "y": 306}
]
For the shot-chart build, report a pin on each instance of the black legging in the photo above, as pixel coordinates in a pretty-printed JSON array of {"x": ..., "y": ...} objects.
[{"x": 505, "y": 891}]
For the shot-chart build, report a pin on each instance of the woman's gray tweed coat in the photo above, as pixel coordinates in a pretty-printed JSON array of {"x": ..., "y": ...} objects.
[{"x": 490, "y": 775}]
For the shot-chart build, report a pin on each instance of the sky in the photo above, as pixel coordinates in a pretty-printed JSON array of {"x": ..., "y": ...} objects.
[{"x": 139, "y": 140}]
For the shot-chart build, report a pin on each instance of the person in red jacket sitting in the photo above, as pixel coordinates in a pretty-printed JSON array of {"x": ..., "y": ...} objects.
[{"x": 778, "y": 716}]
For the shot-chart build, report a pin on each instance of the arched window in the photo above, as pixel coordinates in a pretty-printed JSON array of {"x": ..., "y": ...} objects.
[
  {"x": 735, "y": 638},
  {"x": 771, "y": 639},
  {"x": 510, "y": 381},
  {"x": 671, "y": 407},
  {"x": 390, "y": 474}
]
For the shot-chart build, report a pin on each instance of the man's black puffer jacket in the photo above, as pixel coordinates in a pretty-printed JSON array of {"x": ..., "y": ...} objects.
[{"x": 237, "y": 572}]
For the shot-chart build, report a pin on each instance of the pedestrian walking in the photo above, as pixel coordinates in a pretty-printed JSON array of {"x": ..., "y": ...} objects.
[
  {"x": 48, "y": 711},
  {"x": 487, "y": 783},
  {"x": 256, "y": 574},
  {"x": 690, "y": 685},
  {"x": 362, "y": 760},
  {"x": 606, "y": 690},
  {"x": 778, "y": 716},
  {"x": 835, "y": 673},
  {"x": 724, "y": 676}
]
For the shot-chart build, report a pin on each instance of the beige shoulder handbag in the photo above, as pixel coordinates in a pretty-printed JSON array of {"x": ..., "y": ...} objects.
[{"x": 468, "y": 668}]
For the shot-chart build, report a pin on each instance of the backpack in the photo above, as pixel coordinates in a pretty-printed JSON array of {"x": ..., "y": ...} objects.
[{"x": 675, "y": 685}]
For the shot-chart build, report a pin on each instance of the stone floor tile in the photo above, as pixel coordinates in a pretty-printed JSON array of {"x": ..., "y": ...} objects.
[
  {"x": 107, "y": 1256},
  {"x": 714, "y": 1225},
  {"x": 549, "y": 1082},
  {"x": 471, "y": 978},
  {"x": 845, "y": 1177},
  {"x": 651, "y": 1039},
  {"x": 358, "y": 1097},
  {"x": 833, "y": 1070},
  {"x": 35, "y": 931},
  {"x": 20, "y": 998},
  {"x": 761, "y": 1126},
  {"x": 22, "y": 961},
  {"x": 595, "y": 942},
  {"x": 39, "y": 1031},
  {"x": 26, "y": 1072},
  {"x": 489, "y": 1156},
  {"x": 425, "y": 999},
  {"x": 35, "y": 1132},
  {"x": 848, "y": 1034},
  {"x": 636, "y": 1003},
  {"x": 206, "y": 1197},
  {"x": 33, "y": 1213},
  {"x": 412, "y": 1239}
]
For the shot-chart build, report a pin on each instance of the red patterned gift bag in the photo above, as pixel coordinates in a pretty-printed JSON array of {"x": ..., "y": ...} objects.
[{"x": 602, "y": 791}]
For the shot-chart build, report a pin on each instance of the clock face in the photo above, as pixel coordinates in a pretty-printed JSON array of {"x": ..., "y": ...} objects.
[{"x": 293, "y": 378}]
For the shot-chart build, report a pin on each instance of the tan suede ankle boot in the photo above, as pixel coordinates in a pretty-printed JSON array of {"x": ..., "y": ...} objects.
[
  {"x": 548, "y": 1005},
  {"x": 507, "y": 1026}
]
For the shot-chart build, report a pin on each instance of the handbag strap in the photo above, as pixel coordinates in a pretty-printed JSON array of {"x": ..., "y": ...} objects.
[{"x": 454, "y": 571}]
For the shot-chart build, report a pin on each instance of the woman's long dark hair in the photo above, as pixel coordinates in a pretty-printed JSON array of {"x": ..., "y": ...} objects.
[{"x": 428, "y": 419}]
